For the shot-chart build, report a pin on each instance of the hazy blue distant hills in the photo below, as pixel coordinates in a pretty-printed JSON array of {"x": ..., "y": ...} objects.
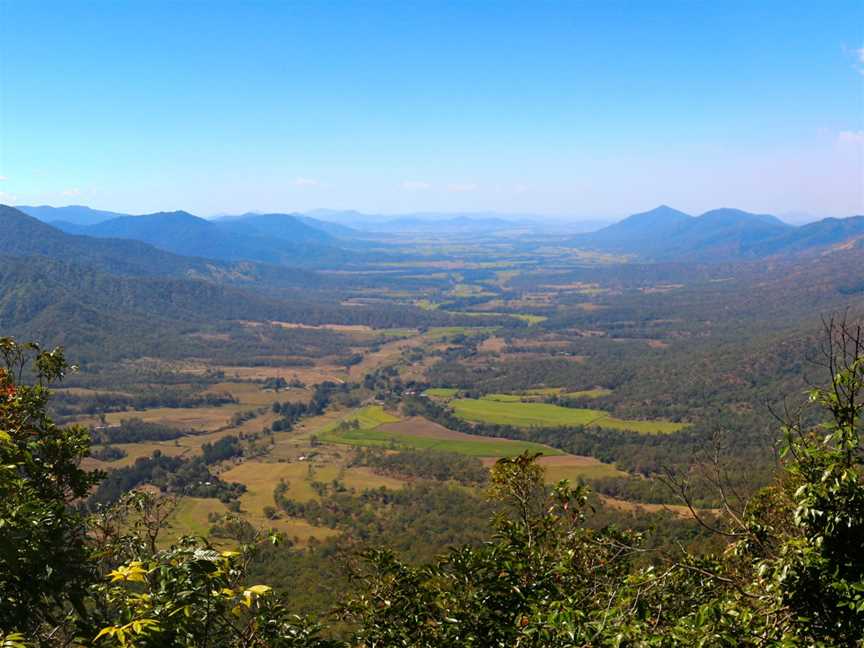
[
  {"x": 275, "y": 239},
  {"x": 717, "y": 235},
  {"x": 432, "y": 223},
  {"x": 828, "y": 232},
  {"x": 345, "y": 227},
  {"x": 428, "y": 222},
  {"x": 24, "y": 235},
  {"x": 73, "y": 214},
  {"x": 291, "y": 227},
  {"x": 633, "y": 231}
]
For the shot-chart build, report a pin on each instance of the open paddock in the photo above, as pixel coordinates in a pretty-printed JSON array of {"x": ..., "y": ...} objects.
[
  {"x": 571, "y": 467},
  {"x": 308, "y": 375},
  {"x": 421, "y": 434},
  {"x": 520, "y": 414},
  {"x": 192, "y": 518}
]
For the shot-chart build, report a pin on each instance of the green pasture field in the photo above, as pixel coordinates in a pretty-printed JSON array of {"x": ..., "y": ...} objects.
[
  {"x": 588, "y": 393},
  {"x": 555, "y": 473},
  {"x": 525, "y": 317},
  {"x": 441, "y": 392},
  {"x": 504, "y": 398},
  {"x": 521, "y": 414},
  {"x": 370, "y": 434},
  {"x": 529, "y": 318},
  {"x": 441, "y": 332},
  {"x": 533, "y": 394}
]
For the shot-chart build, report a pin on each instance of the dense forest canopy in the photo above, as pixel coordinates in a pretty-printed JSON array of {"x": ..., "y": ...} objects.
[{"x": 790, "y": 573}]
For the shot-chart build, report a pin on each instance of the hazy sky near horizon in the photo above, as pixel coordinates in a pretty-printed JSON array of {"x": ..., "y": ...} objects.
[{"x": 587, "y": 109}]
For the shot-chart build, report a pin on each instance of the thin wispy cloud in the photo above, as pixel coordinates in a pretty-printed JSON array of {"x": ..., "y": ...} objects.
[
  {"x": 71, "y": 192},
  {"x": 2, "y": 178},
  {"x": 416, "y": 185},
  {"x": 306, "y": 182}
]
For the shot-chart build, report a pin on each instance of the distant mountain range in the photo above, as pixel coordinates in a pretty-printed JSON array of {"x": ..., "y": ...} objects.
[
  {"x": 328, "y": 237},
  {"x": 278, "y": 239},
  {"x": 74, "y": 214},
  {"x": 724, "y": 234},
  {"x": 25, "y": 236},
  {"x": 287, "y": 226}
]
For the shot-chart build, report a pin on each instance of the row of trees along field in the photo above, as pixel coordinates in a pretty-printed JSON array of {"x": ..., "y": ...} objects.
[{"x": 791, "y": 573}]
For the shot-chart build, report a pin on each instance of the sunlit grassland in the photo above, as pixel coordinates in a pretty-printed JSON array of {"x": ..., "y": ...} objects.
[
  {"x": 575, "y": 473},
  {"x": 192, "y": 518},
  {"x": 525, "y": 317},
  {"x": 519, "y": 414},
  {"x": 588, "y": 393},
  {"x": 534, "y": 394},
  {"x": 369, "y": 433},
  {"x": 426, "y": 304},
  {"x": 441, "y": 332},
  {"x": 441, "y": 392}
]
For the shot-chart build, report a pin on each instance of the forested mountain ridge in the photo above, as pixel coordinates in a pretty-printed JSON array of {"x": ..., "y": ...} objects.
[
  {"x": 717, "y": 235},
  {"x": 27, "y": 236},
  {"x": 285, "y": 241},
  {"x": 288, "y": 226},
  {"x": 72, "y": 214},
  {"x": 87, "y": 309}
]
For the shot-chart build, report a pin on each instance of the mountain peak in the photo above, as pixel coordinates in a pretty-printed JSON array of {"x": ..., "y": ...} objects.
[
  {"x": 661, "y": 212},
  {"x": 731, "y": 215}
]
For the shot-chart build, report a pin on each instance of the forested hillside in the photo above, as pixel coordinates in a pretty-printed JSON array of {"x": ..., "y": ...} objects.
[
  {"x": 718, "y": 235},
  {"x": 398, "y": 426},
  {"x": 790, "y": 573}
]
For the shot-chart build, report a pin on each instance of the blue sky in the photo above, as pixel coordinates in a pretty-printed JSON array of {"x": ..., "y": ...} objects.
[{"x": 581, "y": 109}]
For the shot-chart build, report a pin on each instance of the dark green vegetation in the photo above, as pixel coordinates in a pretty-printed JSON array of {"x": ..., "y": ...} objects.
[
  {"x": 358, "y": 405},
  {"x": 791, "y": 572}
]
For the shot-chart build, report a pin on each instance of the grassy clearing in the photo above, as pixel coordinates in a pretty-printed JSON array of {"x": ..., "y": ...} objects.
[
  {"x": 388, "y": 354},
  {"x": 191, "y": 518},
  {"x": 588, "y": 393},
  {"x": 504, "y": 398},
  {"x": 441, "y": 392},
  {"x": 535, "y": 394},
  {"x": 583, "y": 468},
  {"x": 441, "y": 332},
  {"x": 525, "y": 317},
  {"x": 481, "y": 447},
  {"x": 543, "y": 391},
  {"x": 469, "y": 290},
  {"x": 572, "y": 468},
  {"x": 205, "y": 419},
  {"x": 396, "y": 333},
  {"x": 247, "y": 393},
  {"x": 521, "y": 414},
  {"x": 530, "y": 319},
  {"x": 368, "y": 417},
  {"x": 135, "y": 451},
  {"x": 420, "y": 434}
]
